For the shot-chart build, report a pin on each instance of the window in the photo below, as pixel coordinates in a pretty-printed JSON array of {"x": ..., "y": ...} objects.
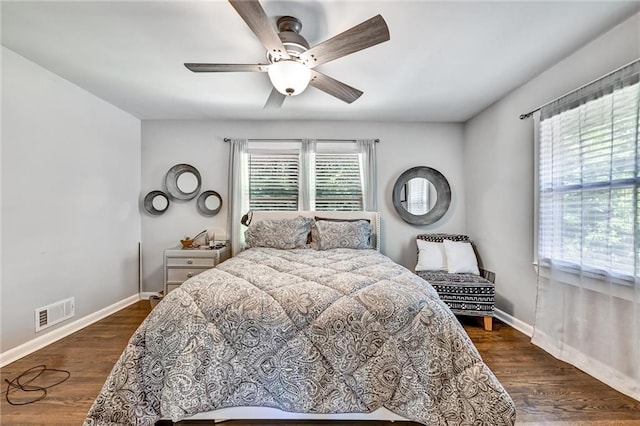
[
  {"x": 589, "y": 175},
  {"x": 320, "y": 176},
  {"x": 337, "y": 182},
  {"x": 273, "y": 180}
]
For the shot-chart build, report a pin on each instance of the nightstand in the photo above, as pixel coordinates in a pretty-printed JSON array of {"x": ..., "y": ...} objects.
[{"x": 180, "y": 264}]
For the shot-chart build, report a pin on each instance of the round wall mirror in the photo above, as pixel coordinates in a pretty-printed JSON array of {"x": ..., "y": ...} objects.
[
  {"x": 209, "y": 203},
  {"x": 156, "y": 202},
  {"x": 421, "y": 195},
  {"x": 183, "y": 182},
  {"x": 187, "y": 182},
  {"x": 160, "y": 203},
  {"x": 418, "y": 196}
]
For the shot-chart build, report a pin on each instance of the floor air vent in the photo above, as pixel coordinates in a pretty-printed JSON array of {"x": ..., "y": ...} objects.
[{"x": 55, "y": 313}]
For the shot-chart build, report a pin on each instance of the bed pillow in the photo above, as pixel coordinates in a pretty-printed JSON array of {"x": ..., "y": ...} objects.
[
  {"x": 314, "y": 238},
  {"x": 431, "y": 256},
  {"x": 460, "y": 258},
  {"x": 279, "y": 233},
  {"x": 328, "y": 234}
]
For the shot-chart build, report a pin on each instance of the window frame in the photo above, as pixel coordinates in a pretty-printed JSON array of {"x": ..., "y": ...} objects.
[
  {"x": 308, "y": 165},
  {"x": 571, "y": 271}
]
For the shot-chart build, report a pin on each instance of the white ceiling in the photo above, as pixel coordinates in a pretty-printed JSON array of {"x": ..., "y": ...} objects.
[{"x": 446, "y": 60}]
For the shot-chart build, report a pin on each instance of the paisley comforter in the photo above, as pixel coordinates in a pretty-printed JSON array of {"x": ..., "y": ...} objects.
[{"x": 302, "y": 330}]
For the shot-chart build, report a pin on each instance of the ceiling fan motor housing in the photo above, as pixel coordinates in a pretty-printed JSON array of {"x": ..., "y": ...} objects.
[{"x": 289, "y": 32}]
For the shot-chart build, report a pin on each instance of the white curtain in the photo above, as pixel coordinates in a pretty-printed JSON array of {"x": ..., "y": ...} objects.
[
  {"x": 588, "y": 300},
  {"x": 238, "y": 192},
  {"x": 367, "y": 151},
  {"x": 306, "y": 175}
]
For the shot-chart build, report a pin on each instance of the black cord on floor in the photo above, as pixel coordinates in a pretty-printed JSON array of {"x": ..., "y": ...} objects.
[{"x": 18, "y": 383}]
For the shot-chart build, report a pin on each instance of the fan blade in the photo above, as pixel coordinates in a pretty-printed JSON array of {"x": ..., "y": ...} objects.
[
  {"x": 335, "y": 88},
  {"x": 367, "y": 34},
  {"x": 227, "y": 67},
  {"x": 254, "y": 16},
  {"x": 275, "y": 100}
]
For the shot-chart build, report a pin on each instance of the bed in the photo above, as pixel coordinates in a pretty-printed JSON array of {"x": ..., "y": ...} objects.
[{"x": 298, "y": 327}]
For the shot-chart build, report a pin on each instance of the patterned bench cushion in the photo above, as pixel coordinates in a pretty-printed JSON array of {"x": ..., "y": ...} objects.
[{"x": 465, "y": 294}]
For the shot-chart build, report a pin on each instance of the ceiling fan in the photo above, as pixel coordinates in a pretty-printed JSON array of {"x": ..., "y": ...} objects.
[{"x": 291, "y": 62}]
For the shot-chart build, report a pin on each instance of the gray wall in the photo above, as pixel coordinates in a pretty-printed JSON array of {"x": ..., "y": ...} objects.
[
  {"x": 70, "y": 182},
  {"x": 499, "y": 162},
  {"x": 200, "y": 143}
]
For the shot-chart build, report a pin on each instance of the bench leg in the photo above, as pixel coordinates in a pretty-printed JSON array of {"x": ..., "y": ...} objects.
[{"x": 488, "y": 323}]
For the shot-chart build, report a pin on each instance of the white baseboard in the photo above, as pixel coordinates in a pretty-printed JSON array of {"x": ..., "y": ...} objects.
[
  {"x": 40, "y": 342},
  {"x": 521, "y": 326}
]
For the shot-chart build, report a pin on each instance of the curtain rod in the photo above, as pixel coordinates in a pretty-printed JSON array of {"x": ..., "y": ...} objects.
[
  {"x": 300, "y": 139},
  {"x": 530, "y": 113}
]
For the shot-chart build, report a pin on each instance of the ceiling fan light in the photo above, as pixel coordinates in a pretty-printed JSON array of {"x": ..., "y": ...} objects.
[{"x": 289, "y": 77}]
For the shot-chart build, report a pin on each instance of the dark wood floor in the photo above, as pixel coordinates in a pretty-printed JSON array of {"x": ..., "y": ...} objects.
[{"x": 545, "y": 390}]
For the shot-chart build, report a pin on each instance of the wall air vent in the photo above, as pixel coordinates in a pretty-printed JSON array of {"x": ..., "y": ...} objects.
[{"x": 55, "y": 313}]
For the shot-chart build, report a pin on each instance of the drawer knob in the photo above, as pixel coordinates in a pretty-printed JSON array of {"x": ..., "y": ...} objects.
[
  {"x": 189, "y": 274},
  {"x": 190, "y": 261}
]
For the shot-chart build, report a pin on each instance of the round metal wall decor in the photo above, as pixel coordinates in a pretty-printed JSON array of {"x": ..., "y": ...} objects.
[
  {"x": 443, "y": 195},
  {"x": 204, "y": 203},
  {"x": 183, "y": 182},
  {"x": 156, "y": 202}
]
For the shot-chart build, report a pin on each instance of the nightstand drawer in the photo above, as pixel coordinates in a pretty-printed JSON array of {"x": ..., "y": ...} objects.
[
  {"x": 181, "y": 264},
  {"x": 196, "y": 262},
  {"x": 182, "y": 274}
]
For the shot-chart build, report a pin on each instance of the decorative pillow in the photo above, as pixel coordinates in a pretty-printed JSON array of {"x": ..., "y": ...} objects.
[
  {"x": 460, "y": 258},
  {"x": 279, "y": 233},
  {"x": 342, "y": 234},
  {"x": 431, "y": 256}
]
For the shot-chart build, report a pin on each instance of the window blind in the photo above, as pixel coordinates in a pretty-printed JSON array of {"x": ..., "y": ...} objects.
[
  {"x": 589, "y": 174},
  {"x": 273, "y": 181},
  {"x": 338, "y": 182}
]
